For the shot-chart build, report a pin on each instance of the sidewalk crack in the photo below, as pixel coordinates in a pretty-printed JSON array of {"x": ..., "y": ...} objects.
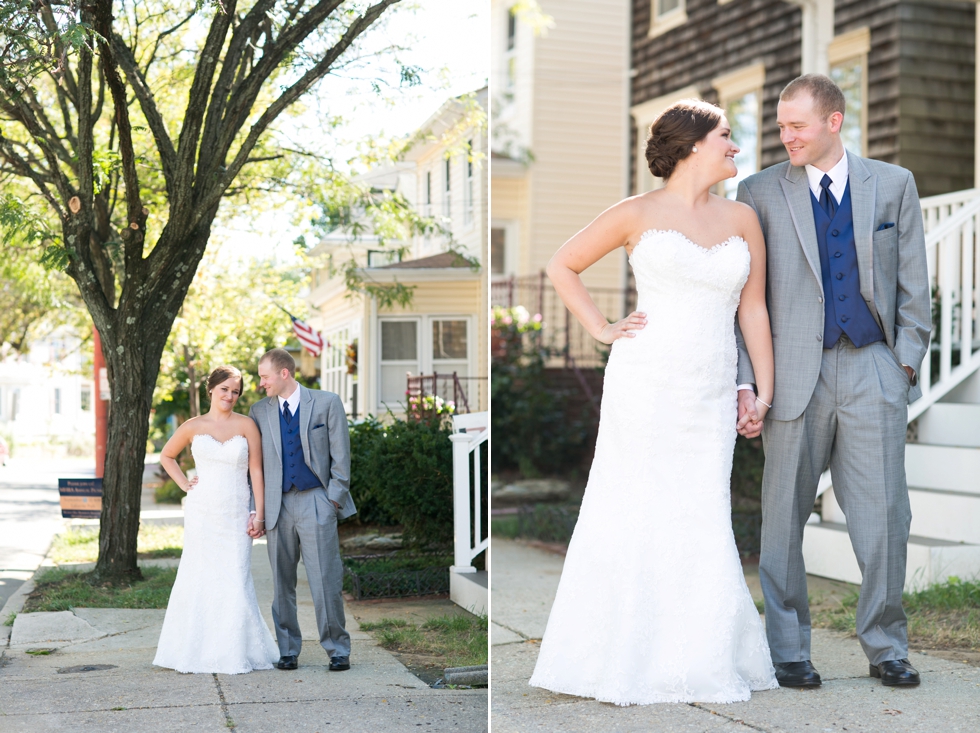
[
  {"x": 512, "y": 630},
  {"x": 229, "y": 723},
  {"x": 732, "y": 718}
]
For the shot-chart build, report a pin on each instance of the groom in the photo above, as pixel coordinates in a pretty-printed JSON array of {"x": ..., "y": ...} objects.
[
  {"x": 306, "y": 459},
  {"x": 848, "y": 295}
]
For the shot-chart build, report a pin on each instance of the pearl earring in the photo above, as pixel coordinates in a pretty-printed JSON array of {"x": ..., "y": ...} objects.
[{"x": 694, "y": 149}]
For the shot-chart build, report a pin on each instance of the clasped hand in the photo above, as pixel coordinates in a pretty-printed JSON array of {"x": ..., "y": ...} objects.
[
  {"x": 751, "y": 414},
  {"x": 256, "y": 528}
]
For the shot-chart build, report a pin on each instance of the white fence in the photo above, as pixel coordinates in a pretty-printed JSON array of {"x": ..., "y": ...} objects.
[{"x": 471, "y": 431}]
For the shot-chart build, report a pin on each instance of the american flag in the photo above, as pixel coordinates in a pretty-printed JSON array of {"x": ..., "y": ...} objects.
[{"x": 308, "y": 336}]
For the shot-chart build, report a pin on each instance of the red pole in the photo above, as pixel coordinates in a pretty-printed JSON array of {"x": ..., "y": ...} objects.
[{"x": 101, "y": 405}]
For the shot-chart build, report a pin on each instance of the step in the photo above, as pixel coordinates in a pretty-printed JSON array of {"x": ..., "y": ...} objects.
[
  {"x": 470, "y": 591},
  {"x": 827, "y": 552},
  {"x": 949, "y": 468},
  {"x": 950, "y": 424},
  {"x": 966, "y": 391},
  {"x": 945, "y": 515}
]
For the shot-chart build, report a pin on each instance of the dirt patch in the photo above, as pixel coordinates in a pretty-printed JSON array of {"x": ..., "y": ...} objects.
[
  {"x": 953, "y": 655},
  {"x": 427, "y": 667}
]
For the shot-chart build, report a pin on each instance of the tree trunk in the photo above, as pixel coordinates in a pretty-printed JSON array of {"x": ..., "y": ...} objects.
[
  {"x": 194, "y": 391},
  {"x": 132, "y": 360}
]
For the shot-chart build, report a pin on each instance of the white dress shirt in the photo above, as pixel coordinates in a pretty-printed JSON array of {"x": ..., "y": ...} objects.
[
  {"x": 292, "y": 401},
  {"x": 838, "y": 177}
]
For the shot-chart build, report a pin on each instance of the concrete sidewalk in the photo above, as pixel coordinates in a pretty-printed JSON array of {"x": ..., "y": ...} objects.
[
  {"x": 523, "y": 586},
  {"x": 100, "y": 677}
]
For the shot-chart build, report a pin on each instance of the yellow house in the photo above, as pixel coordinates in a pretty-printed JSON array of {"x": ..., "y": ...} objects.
[
  {"x": 561, "y": 136},
  {"x": 373, "y": 348}
]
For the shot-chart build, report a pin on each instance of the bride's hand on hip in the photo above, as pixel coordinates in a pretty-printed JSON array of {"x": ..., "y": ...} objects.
[{"x": 624, "y": 328}]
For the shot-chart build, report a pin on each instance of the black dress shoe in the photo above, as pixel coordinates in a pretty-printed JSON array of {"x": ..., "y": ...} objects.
[
  {"x": 287, "y": 662},
  {"x": 797, "y": 674},
  {"x": 339, "y": 664},
  {"x": 895, "y": 673}
]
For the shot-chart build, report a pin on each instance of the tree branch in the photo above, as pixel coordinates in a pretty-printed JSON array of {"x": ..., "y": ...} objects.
[
  {"x": 314, "y": 74},
  {"x": 197, "y": 106},
  {"x": 229, "y": 68},
  {"x": 165, "y": 147}
]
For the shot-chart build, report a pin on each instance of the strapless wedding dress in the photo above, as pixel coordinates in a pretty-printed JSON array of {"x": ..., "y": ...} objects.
[
  {"x": 652, "y": 605},
  {"x": 213, "y": 622}
]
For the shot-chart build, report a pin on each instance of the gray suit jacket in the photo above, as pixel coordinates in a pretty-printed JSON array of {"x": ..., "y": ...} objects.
[
  {"x": 326, "y": 448},
  {"x": 892, "y": 265}
]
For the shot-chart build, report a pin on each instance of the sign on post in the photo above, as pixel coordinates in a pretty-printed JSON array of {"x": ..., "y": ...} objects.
[{"x": 81, "y": 498}]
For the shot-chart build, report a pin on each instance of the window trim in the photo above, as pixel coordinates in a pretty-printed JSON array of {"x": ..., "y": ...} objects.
[
  {"x": 735, "y": 85},
  {"x": 660, "y": 24},
  {"x": 423, "y": 344},
  {"x": 511, "y": 228},
  {"x": 851, "y": 46}
]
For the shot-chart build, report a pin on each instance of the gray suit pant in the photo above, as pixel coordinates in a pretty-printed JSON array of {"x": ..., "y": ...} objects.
[
  {"x": 307, "y": 524},
  {"x": 855, "y": 422}
]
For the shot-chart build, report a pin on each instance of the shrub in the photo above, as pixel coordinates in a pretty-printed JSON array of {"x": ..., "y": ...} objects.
[
  {"x": 534, "y": 430},
  {"x": 169, "y": 493},
  {"x": 407, "y": 468},
  {"x": 363, "y": 437}
]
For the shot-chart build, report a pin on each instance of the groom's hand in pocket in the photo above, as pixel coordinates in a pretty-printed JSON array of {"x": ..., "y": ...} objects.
[{"x": 749, "y": 424}]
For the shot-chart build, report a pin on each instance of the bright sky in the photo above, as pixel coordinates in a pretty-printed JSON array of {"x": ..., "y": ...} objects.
[{"x": 448, "y": 39}]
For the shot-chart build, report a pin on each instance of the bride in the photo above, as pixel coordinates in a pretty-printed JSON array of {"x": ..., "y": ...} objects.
[
  {"x": 213, "y": 622},
  {"x": 652, "y": 605}
]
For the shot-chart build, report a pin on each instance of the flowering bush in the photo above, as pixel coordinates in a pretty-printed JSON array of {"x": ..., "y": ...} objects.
[
  {"x": 419, "y": 405},
  {"x": 508, "y": 328}
]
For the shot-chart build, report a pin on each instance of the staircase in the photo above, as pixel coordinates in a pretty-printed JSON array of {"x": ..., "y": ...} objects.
[{"x": 942, "y": 458}]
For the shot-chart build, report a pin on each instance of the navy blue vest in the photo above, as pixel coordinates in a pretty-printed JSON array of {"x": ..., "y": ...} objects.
[
  {"x": 295, "y": 473},
  {"x": 844, "y": 308}
]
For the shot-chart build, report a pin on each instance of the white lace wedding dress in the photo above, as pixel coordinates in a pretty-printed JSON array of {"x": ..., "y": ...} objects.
[
  {"x": 652, "y": 606},
  {"x": 213, "y": 622}
]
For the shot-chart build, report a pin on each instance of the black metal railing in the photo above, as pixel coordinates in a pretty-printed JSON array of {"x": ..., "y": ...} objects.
[{"x": 463, "y": 392}]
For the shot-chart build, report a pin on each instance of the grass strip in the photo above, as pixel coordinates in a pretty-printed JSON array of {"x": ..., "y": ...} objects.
[
  {"x": 81, "y": 544},
  {"x": 460, "y": 639},
  {"x": 942, "y": 616},
  {"x": 60, "y": 589}
]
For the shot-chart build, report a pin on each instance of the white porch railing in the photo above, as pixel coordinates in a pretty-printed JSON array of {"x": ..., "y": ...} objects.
[
  {"x": 952, "y": 226},
  {"x": 471, "y": 431}
]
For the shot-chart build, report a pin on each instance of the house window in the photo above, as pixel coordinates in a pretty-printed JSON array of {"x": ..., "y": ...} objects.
[
  {"x": 743, "y": 117},
  {"x": 428, "y": 193},
  {"x": 848, "y": 58},
  {"x": 450, "y": 353},
  {"x": 849, "y": 76},
  {"x": 665, "y": 15},
  {"x": 740, "y": 95},
  {"x": 510, "y": 56},
  {"x": 85, "y": 398},
  {"x": 446, "y": 202},
  {"x": 468, "y": 188},
  {"x": 57, "y": 401},
  {"x": 399, "y": 355},
  {"x": 498, "y": 252}
]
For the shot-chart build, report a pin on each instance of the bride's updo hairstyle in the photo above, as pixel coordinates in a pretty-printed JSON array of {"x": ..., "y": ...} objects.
[
  {"x": 676, "y": 131},
  {"x": 223, "y": 374}
]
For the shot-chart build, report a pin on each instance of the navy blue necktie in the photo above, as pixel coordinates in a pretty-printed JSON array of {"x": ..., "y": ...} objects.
[
  {"x": 286, "y": 413},
  {"x": 827, "y": 201}
]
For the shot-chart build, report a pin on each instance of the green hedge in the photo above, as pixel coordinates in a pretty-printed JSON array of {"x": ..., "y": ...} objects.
[{"x": 402, "y": 473}]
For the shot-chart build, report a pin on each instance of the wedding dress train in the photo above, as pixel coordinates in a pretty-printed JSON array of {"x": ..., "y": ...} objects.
[
  {"x": 652, "y": 605},
  {"x": 213, "y": 622}
]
